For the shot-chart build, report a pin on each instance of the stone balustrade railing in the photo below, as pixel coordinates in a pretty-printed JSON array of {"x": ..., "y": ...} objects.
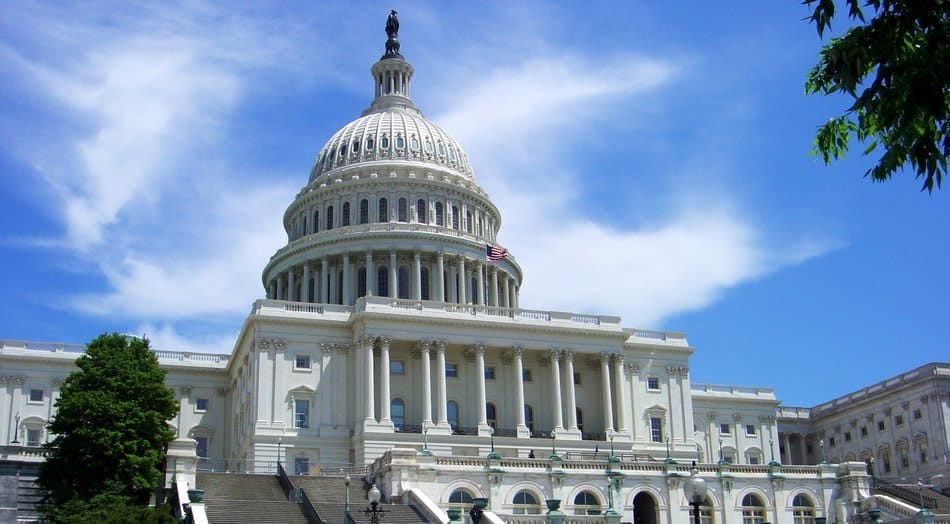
[{"x": 77, "y": 349}]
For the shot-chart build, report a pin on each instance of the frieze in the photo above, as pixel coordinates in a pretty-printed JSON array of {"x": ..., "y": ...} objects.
[
  {"x": 737, "y": 417},
  {"x": 4, "y": 380},
  {"x": 631, "y": 368},
  {"x": 19, "y": 380},
  {"x": 469, "y": 356},
  {"x": 712, "y": 415},
  {"x": 186, "y": 390},
  {"x": 677, "y": 370}
]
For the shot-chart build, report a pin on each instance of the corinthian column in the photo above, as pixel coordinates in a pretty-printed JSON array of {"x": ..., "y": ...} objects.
[
  {"x": 556, "y": 393},
  {"x": 440, "y": 277},
  {"x": 463, "y": 281},
  {"x": 608, "y": 402},
  {"x": 480, "y": 370},
  {"x": 426, "y": 385},
  {"x": 384, "y": 398},
  {"x": 517, "y": 353},
  {"x": 571, "y": 395},
  {"x": 369, "y": 376},
  {"x": 440, "y": 364},
  {"x": 622, "y": 407},
  {"x": 305, "y": 285}
]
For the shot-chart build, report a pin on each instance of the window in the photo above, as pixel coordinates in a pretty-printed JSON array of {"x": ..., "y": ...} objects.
[
  {"x": 33, "y": 437},
  {"x": 384, "y": 142},
  {"x": 36, "y": 395},
  {"x": 580, "y": 418},
  {"x": 656, "y": 429},
  {"x": 922, "y": 450},
  {"x": 202, "y": 448},
  {"x": 421, "y": 216},
  {"x": 316, "y": 221},
  {"x": 461, "y": 499},
  {"x": 899, "y": 420},
  {"x": 529, "y": 417},
  {"x": 369, "y": 143},
  {"x": 301, "y": 361},
  {"x": 382, "y": 211},
  {"x": 526, "y": 375},
  {"x": 364, "y": 211},
  {"x": 491, "y": 414},
  {"x": 382, "y": 281},
  {"x": 455, "y": 218},
  {"x": 847, "y": 436},
  {"x": 864, "y": 431},
  {"x": 653, "y": 383},
  {"x": 301, "y": 465},
  {"x": 832, "y": 442},
  {"x": 490, "y": 373},
  {"x": 452, "y": 414},
  {"x": 524, "y": 503},
  {"x": 361, "y": 282},
  {"x": 398, "y": 412},
  {"x": 750, "y": 430},
  {"x": 439, "y": 214},
  {"x": 754, "y": 459},
  {"x": 880, "y": 425},
  {"x": 397, "y": 367},
  {"x": 753, "y": 510},
  {"x": 725, "y": 429},
  {"x": 803, "y": 510},
  {"x": 402, "y": 210},
  {"x": 917, "y": 414},
  {"x": 577, "y": 379},
  {"x": 451, "y": 370},
  {"x": 425, "y": 283},
  {"x": 301, "y": 413},
  {"x": 330, "y": 217},
  {"x": 400, "y": 142},
  {"x": 468, "y": 221},
  {"x": 414, "y": 143},
  {"x": 403, "y": 288},
  {"x": 201, "y": 404},
  {"x": 356, "y": 146},
  {"x": 428, "y": 146},
  {"x": 345, "y": 219},
  {"x": 585, "y": 501}
]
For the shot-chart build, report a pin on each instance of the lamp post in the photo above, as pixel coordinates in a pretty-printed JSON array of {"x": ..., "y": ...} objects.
[
  {"x": 346, "y": 502},
  {"x": 425, "y": 437},
  {"x": 821, "y": 447},
  {"x": 279, "y": 440},
  {"x": 695, "y": 491},
  {"x": 610, "y": 435},
  {"x": 16, "y": 430},
  {"x": 373, "y": 511},
  {"x": 491, "y": 436}
]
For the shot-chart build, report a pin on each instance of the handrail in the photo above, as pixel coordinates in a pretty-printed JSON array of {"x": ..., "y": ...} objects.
[
  {"x": 300, "y": 497},
  {"x": 906, "y": 494}
]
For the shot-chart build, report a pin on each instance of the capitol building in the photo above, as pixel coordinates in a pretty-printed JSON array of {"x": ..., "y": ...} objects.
[{"x": 391, "y": 346}]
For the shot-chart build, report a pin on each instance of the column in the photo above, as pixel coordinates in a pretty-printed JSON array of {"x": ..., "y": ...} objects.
[
  {"x": 622, "y": 407},
  {"x": 347, "y": 296},
  {"x": 384, "y": 398},
  {"x": 440, "y": 277},
  {"x": 291, "y": 285},
  {"x": 787, "y": 460},
  {"x": 324, "y": 276},
  {"x": 608, "y": 401},
  {"x": 272, "y": 290},
  {"x": 281, "y": 291},
  {"x": 480, "y": 369},
  {"x": 480, "y": 292},
  {"x": 426, "y": 385},
  {"x": 517, "y": 353},
  {"x": 504, "y": 292},
  {"x": 571, "y": 396},
  {"x": 493, "y": 293},
  {"x": 513, "y": 293},
  {"x": 368, "y": 377},
  {"x": 440, "y": 389},
  {"x": 804, "y": 451},
  {"x": 463, "y": 281},
  {"x": 452, "y": 294},
  {"x": 417, "y": 271},
  {"x": 556, "y": 390},
  {"x": 393, "y": 275},
  {"x": 370, "y": 274},
  {"x": 305, "y": 285},
  {"x": 278, "y": 383}
]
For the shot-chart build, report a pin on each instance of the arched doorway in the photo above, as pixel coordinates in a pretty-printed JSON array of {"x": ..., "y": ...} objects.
[{"x": 644, "y": 509}]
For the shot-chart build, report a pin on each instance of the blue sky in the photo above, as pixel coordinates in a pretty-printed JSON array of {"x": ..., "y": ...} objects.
[{"x": 650, "y": 160}]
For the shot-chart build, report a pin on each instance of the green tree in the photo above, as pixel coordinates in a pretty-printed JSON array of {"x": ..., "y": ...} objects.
[
  {"x": 895, "y": 66},
  {"x": 110, "y": 429}
]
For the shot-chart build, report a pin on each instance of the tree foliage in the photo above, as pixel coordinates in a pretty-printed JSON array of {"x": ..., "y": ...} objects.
[
  {"x": 110, "y": 428},
  {"x": 895, "y": 66}
]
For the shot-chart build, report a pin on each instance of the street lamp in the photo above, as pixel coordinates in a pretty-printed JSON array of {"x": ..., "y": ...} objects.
[
  {"x": 695, "y": 490},
  {"x": 278, "y": 451},
  {"x": 610, "y": 435},
  {"x": 821, "y": 446},
  {"x": 491, "y": 436},
  {"x": 373, "y": 510},
  {"x": 16, "y": 430},
  {"x": 346, "y": 507}
]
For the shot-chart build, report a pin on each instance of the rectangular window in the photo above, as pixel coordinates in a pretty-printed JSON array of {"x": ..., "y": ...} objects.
[
  {"x": 832, "y": 442},
  {"x": 301, "y": 465},
  {"x": 301, "y": 413},
  {"x": 899, "y": 420},
  {"x": 526, "y": 375},
  {"x": 202, "y": 448},
  {"x": 452, "y": 370},
  {"x": 653, "y": 383},
  {"x": 728, "y": 458},
  {"x": 847, "y": 436},
  {"x": 302, "y": 361},
  {"x": 753, "y": 459},
  {"x": 725, "y": 429},
  {"x": 397, "y": 367},
  {"x": 864, "y": 431},
  {"x": 917, "y": 414},
  {"x": 750, "y": 430},
  {"x": 656, "y": 429},
  {"x": 201, "y": 404},
  {"x": 33, "y": 437},
  {"x": 490, "y": 373},
  {"x": 880, "y": 425},
  {"x": 36, "y": 395},
  {"x": 577, "y": 379}
]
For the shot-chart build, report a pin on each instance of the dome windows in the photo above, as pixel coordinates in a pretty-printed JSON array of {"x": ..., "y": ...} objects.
[
  {"x": 414, "y": 143},
  {"x": 342, "y": 151},
  {"x": 400, "y": 142},
  {"x": 453, "y": 155},
  {"x": 384, "y": 142},
  {"x": 355, "y": 147},
  {"x": 428, "y": 146},
  {"x": 369, "y": 143}
]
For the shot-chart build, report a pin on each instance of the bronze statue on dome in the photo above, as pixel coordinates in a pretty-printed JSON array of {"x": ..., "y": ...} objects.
[{"x": 392, "y": 31}]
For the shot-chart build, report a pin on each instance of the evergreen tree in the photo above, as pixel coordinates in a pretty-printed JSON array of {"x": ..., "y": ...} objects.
[{"x": 110, "y": 429}]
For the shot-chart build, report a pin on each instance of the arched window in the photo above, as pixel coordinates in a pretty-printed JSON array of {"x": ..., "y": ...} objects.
[
  {"x": 330, "y": 217},
  {"x": 316, "y": 221},
  {"x": 305, "y": 232},
  {"x": 424, "y": 272},
  {"x": 400, "y": 142},
  {"x": 803, "y": 510},
  {"x": 580, "y": 418},
  {"x": 529, "y": 417},
  {"x": 586, "y": 503},
  {"x": 468, "y": 221},
  {"x": 525, "y": 503},
  {"x": 403, "y": 282},
  {"x": 452, "y": 414},
  {"x": 706, "y": 512},
  {"x": 364, "y": 211},
  {"x": 369, "y": 143},
  {"x": 398, "y": 413},
  {"x": 421, "y": 216},
  {"x": 439, "y": 214},
  {"x": 384, "y": 142},
  {"x": 491, "y": 415},
  {"x": 382, "y": 281},
  {"x": 455, "y": 218},
  {"x": 345, "y": 219},
  {"x": 383, "y": 211},
  {"x": 356, "y": 146},
  {"x": 753, "y": 509},
  {"x": 361, "y": 282},
  {"x": 461, "y": 499},
  {"x": 644, "y": 509},
  {"x": 402, "y": 210}
]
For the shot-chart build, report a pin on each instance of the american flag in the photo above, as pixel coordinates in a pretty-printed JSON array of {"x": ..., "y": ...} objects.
[{"x": 494, "y": 254}]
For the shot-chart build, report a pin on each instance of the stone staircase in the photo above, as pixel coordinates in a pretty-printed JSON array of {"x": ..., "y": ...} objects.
[
  {"x": 28, "y": 496},
  {"x": 238, "y": 499},
  {"x": 328, "y": 494}
]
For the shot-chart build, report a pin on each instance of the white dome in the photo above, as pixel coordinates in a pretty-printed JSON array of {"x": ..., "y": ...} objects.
[{"x": 391, "y": 134}]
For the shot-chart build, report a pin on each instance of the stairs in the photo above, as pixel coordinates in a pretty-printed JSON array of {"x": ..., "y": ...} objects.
[
  {"x": 28, "y": 496},
  {"x": 238, "y": 499},
  {"x": 328, "y": 496}
]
